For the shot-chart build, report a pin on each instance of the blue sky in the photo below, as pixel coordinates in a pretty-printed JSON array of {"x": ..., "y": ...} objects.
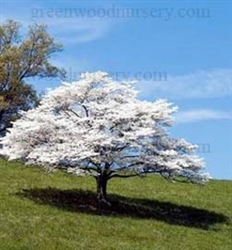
[{"x": 177, "y": 50}]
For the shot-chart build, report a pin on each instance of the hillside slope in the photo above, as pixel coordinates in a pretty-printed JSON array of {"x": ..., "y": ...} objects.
[{"x": 57, "y": 211}]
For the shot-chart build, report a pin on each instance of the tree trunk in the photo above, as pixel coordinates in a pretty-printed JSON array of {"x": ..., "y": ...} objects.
[{"x": 101, "y": 188}]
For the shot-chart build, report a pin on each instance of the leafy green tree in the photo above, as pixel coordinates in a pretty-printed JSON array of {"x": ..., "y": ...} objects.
[{"x": 20, "y": 60}]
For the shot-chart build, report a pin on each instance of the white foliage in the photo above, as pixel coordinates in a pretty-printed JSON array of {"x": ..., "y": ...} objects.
[{"x": 97, "y": 125}]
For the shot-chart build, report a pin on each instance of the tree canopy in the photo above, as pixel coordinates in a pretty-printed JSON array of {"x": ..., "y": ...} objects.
[
  {"x": 20, "y": 59},
  {"x": 97, "y": 126}
]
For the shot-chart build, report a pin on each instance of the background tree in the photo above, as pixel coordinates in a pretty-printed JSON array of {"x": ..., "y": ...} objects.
[
  {"x": 98, "y": 127},
  {"x": 21, "y": 59}
]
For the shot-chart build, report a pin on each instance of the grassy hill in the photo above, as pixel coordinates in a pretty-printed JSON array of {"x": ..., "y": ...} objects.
[{"x": 57, "y": 211}]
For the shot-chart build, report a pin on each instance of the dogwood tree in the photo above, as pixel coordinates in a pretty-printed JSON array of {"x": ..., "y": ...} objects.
[{"x": 97, "y": 126}]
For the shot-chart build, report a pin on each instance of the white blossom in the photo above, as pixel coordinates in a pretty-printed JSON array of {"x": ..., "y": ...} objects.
[{"x": 98, "y": 126}]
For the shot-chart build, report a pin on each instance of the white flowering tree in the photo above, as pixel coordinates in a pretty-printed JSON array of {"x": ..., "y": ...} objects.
[{"x": 97, "y": 126}]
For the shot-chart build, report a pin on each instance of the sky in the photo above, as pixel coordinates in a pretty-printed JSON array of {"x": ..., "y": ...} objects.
[{"x": 177, "y": 50}]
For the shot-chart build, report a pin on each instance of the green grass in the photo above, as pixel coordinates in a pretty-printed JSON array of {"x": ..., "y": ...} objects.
[{"x": 53, "y": 211}]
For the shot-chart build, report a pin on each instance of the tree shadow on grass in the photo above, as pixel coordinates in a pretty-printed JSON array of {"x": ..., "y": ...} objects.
[{"x": 77, "y": 200}]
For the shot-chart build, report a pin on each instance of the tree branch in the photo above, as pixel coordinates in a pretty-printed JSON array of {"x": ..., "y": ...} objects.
[
  {"x": 123, "y": 176},
  {"x": 89, "y": 168},
  {"x": 72, "y": 111},
  {"x": 86, "y": 110},
  {"x": 131, "y": 165},
  {"x": 129, "y": 156}
]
